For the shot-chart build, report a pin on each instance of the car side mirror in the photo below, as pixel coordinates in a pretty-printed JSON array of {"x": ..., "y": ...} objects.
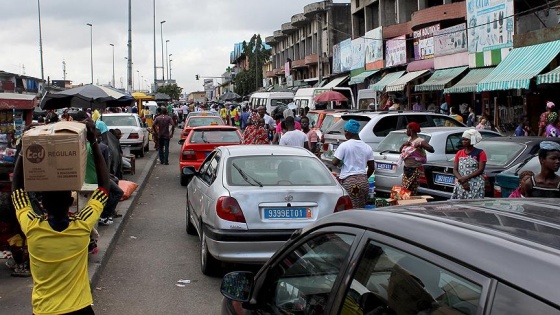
[
  {"x": 237, "y": 285},
  {"x": 181, "y": 141},
  {"x": 189, "y": 171}
]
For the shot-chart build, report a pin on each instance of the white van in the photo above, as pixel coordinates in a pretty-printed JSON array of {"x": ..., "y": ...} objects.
[
  {"x": 305, "y": 98},
  {"x": 270, "y": 99},
  {"x": 367, "y": 99}
]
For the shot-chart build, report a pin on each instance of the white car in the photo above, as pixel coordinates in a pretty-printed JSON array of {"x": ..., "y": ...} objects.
[
  {"x": 134, "y": 132},
  {"x": 247, "y": 200}
]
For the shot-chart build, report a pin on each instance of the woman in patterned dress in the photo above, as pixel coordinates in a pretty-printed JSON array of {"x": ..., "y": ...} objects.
[
  {"x": 255, "y": 133},
  {"x": 413, "y": 155},
  {"x": 469, "y": 167}
]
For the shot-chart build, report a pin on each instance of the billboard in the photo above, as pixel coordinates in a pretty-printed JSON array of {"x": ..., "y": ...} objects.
[
  {"x": 395, "y": 51},
  {"x": 424, "y": 42},
  {"x": 358, "y": 50},
  {"x": 451, "y": 40},
  {"x": 374, "y": 48},
  {"x": 345, "y": 55},
  {"x": 336, "y": 58},
  {"x": 490, "y": 24}
]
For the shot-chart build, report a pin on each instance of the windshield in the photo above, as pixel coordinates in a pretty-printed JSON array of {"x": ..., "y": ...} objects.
[
  {"x": 215, "y": 136},
  {"x": 276, "y": 102},
  {"x": 129, "y": 121},
  {"x": 274, "y": 170},
  {"x": 338, "y": 127},
  {"x": 206, "y": 121},
  {"x": 500, "y": 153},
  {"x": 313, "y": 118},
  {"x": 393, "y": 142}
]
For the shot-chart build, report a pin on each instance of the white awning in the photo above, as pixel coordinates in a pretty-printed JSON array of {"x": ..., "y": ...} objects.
[{"x": 336, "y": 82}]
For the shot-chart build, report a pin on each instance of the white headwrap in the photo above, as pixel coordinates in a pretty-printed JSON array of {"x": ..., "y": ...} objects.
[{"x": 473, "y": 135}]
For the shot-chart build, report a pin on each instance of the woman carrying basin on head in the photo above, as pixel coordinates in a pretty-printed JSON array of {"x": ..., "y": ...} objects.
[
  {"x": 413, "y": 154},
  {"x": 469, "y": 167}
]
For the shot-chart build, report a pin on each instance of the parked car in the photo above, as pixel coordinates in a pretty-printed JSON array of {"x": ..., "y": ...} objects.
[
  {"x": 508, "y": 180},
  {"x": 374, "y": 126},
  {"x": 197, "y": 121},
  {"x": 134, "y": 132},
  {"x": 445, "y": 141},
  {"x": 200, "y": 142},
  {"x": 246, "y": 201},
  {"x": 438, "y": 179},
  {"x": 465, "y": 257}
]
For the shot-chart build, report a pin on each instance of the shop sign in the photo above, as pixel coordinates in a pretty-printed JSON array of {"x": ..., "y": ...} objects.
[
  {"x": 336, "y": 59},
  {"x": 395, "y": 51},
  {"x": 451, "y": 40},
  {"x": 424, "y": 42},
  {"x": 345, "y": 55},
  {"x": 358, "y": 53},
  {"x": 287, "y": 68},
  {"x": 374, "y": 48},
  {"x": 490, "y": 24}
]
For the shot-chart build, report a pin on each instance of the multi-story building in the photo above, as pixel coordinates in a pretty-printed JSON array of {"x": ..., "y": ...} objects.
[{"x": 302, "y": 48}]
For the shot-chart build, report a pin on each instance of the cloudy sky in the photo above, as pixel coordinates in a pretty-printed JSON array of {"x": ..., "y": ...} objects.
[{"x": 201, "y": 36}]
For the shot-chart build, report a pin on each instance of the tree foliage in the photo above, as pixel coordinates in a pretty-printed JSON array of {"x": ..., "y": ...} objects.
[
  {"x": 173, "y": 90},
  {"x": 250, "y": 80}
]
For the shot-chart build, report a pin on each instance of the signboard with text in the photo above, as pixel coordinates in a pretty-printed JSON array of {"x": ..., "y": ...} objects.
[
  {"x": 336, "y": 59},
  {"x": 345, "y": 55},
  {"x": 424, "y": 42},
  {"x": 374, "y": 48},
  {"x": 358, "y": 49},
  {"x": 490, "y": 24},
  {"x": 451, "y": 40},
  {"x": 395, "y": 51}
]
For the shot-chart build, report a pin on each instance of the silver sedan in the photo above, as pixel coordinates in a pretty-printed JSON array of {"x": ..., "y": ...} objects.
[
  {"x": 247, "y": 200},
  {"x": 445, "y": 141}
]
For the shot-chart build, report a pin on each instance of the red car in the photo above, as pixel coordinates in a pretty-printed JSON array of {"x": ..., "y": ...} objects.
[
  {"x": 200, "y": 142},
  {"x": 197, "y": 121}
]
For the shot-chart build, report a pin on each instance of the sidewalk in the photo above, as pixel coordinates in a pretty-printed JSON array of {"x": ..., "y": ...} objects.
[{"x": 109, "y": 235}]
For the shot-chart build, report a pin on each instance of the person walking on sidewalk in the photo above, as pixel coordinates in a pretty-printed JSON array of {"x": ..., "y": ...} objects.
[
  {"x": 58, "y": 243},
  {"x": 163, "y": 124}
]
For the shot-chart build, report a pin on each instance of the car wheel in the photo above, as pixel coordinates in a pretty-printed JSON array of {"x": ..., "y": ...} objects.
[
  {"x": 147, "y": 147},
  {"x": 189, "y": 226},
  {"x": 185, "y": 179},
  {"x": 141, "y": 152},
  {"x": 208, "y": 264}
]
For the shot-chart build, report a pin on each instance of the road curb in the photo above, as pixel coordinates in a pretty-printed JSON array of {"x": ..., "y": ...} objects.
[{"x": 109, "y": 235}]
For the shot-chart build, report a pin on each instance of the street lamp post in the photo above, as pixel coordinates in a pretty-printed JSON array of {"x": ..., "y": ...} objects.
[
  {"x": 162, "y": 56},
  {"x": 166, "y": 54},
  {"x": 113, "y": 82},
  {"x": 138, "y": 71},
  {"x": 169, "y": 67},
  {"x": 91, "y": 48},
  {"x": 155, "y": 65}
]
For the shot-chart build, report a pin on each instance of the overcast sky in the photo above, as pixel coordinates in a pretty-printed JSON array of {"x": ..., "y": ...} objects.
[{"x": 201, "y": 36}]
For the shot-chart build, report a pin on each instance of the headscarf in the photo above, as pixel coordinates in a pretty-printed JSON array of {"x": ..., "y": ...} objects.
[
  {"x": 549, "y": 146},
  {"x": 550, "y": 105},
  {"x": 414, "y": 126},
  {"x": 473, "y": 135},
  {"x": 552, "y": 117},
  {"x": 254, "y": 118},
  {"x": 352, "y": 126},
  {"x": 255, "y": 134}
]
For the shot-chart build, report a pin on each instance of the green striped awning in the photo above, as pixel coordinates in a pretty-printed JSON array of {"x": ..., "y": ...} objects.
[
  {"x": 519, "y": 67},
  {"x": 386, "y": 80},
  {"x": 439, "y": 79},
  {"x": 549, "y": 77},
  {"x": 357, "y": 79},
  {"x": 469, "y": 82},
  {"x": 401, "y": 82}
]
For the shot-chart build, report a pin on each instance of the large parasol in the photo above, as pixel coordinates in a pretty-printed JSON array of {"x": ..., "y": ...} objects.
[
  {"x": 230, "y": 96},
  {"x": 87, "y": 96},
  {"x": 331, "y": 96}
]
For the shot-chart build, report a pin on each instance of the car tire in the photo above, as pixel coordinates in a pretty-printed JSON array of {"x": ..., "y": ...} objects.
[
  {"x": 141, "y": 152},
  {"x": 208, "y": 264},
  {"x": 147, "y": 147},
  {"x": 191, "y": 230},
  {"x": 185, "y": 179}
]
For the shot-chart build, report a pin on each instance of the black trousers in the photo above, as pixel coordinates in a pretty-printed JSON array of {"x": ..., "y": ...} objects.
[{"x": 88, "y": 310}]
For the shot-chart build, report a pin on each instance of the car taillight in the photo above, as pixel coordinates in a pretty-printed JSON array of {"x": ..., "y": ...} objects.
[
  {"x": 497, "y": 191},
  {"x": 422, "y": 180},
  {"x": 189, "y": 155},
  {"x": 133, "y": 135},
  {"x": 343, "y": 203},
  {"x": 228, "y": 209}
]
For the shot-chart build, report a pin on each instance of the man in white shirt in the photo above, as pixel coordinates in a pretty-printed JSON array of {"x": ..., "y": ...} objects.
[
  {"x": 293, "y": 137},
  {"x": 268, "y": 120}
]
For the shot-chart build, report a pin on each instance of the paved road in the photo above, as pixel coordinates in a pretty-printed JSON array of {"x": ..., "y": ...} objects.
[
  {"x": 154, "y": 252},
  {"x": 15, "y": 293}
]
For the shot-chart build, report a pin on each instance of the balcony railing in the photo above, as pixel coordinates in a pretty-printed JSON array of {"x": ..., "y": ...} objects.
[{"x": 288, "y": 28}]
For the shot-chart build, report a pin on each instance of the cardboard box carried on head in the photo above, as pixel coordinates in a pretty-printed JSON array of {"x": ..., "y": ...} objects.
[{"x": 54, "y": 157}]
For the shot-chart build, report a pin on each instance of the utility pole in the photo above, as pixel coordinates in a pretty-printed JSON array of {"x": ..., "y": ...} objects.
[
  {"x": 64, "y": 71},
  {"x": 41, "y": 43},
  {"x": 319, "y": 48},
  {"x": 129, "y": 64}
]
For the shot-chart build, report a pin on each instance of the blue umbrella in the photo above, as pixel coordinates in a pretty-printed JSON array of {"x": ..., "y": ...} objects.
[{"x": 86, "y": 96}]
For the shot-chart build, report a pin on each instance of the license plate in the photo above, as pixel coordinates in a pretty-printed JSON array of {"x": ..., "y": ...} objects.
[
  {"x": 443, "y": 179},
  {"x": 287, "y": 213},
  {"x": 385, "y": 166}
]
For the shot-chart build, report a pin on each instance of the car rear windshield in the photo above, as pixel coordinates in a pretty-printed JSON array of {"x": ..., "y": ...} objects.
[
  {"x": 215, "y": 136},
  {"x": 206, "y": 121},
  {"x": 120, "y": 121},
  {"x": 393, "y": 142},
  {"x": 500, "y": 153},
  {"x": 338, "y": 127},
  {"x": 274, "y": 170}
]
